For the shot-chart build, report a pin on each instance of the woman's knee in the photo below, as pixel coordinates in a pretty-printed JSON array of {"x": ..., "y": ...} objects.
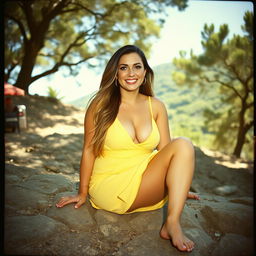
[{"x": 183, "y": 145}]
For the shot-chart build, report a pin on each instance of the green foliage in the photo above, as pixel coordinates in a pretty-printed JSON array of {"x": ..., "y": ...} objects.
[
  {"x": 52, "y": 93},
  {"x": 224, "y": 68},
  {"x": 54, "y": 34},
  {"x": 185, "y": 107}
]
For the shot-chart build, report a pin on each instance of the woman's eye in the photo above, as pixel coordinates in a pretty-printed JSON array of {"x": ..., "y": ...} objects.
[
  {"x": 138, "y": 67},
  {"x": 123, "y": 68}
]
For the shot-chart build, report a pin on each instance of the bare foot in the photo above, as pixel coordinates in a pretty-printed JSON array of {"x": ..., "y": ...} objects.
[
  {"x": 193, "y": 196},
  {"x": 174, "y": 233}
]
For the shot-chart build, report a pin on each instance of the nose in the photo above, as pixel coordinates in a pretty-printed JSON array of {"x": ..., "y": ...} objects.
[{"x": 131, "y": 72}]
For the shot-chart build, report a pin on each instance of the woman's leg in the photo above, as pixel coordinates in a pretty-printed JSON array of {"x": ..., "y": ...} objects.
[{"x": 169, "y": 172}]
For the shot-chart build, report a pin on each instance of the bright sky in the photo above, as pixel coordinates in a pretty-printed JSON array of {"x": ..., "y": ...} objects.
[{"x": 181, "y": 31}]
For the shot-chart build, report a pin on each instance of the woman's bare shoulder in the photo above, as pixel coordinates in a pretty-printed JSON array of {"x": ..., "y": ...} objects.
[{"x": 158, "y": 105}]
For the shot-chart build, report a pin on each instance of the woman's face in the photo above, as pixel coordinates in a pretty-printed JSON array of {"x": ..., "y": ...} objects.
[{"x": 131, "y": 71}]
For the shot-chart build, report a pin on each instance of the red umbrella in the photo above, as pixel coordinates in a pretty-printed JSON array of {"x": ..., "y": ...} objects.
[{"x": 12, "y": 90}]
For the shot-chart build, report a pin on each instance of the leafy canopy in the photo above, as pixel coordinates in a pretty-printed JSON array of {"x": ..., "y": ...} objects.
[{"x": 49, "y": 34}]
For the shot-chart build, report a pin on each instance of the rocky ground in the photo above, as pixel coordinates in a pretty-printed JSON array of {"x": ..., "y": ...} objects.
[{"x": 42, "y": 164}]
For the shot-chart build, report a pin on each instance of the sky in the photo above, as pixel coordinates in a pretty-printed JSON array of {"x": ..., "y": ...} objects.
[{"x": 181, "y": 31}]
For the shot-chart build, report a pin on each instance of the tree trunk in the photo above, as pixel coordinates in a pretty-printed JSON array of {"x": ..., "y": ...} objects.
[
  {"x": 239, "y": 142},
  {"x": 242, "y": 130},
  {"x": 24, "y": 78},
  {"x": 31, "y": 50}
]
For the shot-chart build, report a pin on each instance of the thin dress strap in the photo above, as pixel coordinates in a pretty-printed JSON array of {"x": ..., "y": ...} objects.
[{"x": 150, "y": 106}]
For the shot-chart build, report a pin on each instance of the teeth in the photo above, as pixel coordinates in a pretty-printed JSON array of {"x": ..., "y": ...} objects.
[{"x": 131, "y": 81}]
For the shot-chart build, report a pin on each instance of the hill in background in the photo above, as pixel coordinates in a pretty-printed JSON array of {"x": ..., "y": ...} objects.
[
  {"x": 81, "y": 102},
  {"x": 185, "y": 106}
]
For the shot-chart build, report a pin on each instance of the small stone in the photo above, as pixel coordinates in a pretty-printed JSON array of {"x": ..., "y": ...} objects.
[
  {"x": 217, "y": 234},
  {"x": 225, "y": 190}
]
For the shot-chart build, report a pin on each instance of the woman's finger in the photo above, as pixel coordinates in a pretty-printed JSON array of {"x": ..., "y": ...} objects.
[
  {"x": 79, "y": 203},
  {"x": 66, "y": 200},
  {"x": 193, "y": 196}
]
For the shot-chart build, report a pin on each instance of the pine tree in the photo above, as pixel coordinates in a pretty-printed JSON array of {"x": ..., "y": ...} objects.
[{"x": 225, "y": 66}]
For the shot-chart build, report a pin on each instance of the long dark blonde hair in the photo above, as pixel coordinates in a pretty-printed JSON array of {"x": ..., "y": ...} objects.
[{"x": 107, "y": 100}]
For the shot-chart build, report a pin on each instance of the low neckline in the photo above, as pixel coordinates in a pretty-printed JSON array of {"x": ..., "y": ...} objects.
[{"x": 130, "y": 135}]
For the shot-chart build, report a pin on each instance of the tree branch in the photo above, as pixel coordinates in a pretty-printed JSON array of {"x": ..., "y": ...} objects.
[
  {"x": 61, "y": 62},
  {"x": 250, "y": 76},
  {"x": 98, "y": 14},
  {"x": 250, "y": 105},
  {"x": 27, "y": 10},
  {"x": 56, "y": 67},
  {"x": 76, "y": 63},
  {"x": 249, "y": 125},
  {"x": 222, "y": 83},
  {"x": 81, "y": 7},
  {"x": 58, "y": 9},
  {"x": 20, "y": 25},
  {"x": 233, "y": 68},
  {"x": 224, "y": 74}
]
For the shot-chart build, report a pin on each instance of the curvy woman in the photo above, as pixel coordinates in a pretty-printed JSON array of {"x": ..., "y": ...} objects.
[{"x": 129, "y": 162}]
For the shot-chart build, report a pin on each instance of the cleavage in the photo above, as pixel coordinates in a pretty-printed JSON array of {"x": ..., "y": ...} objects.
[{"x": 138, "y": 130}]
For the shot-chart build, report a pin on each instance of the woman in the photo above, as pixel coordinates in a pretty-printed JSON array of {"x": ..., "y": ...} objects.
[{"x": 129, "y": 162}]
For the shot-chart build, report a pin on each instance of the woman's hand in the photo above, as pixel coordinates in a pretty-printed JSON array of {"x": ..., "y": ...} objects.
[
  {"x": 78, "y": 199},
  {"x": 193, "y": 196}
]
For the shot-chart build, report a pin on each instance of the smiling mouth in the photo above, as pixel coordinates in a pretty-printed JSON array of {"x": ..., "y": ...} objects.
[{"x": 131, "y": 81}]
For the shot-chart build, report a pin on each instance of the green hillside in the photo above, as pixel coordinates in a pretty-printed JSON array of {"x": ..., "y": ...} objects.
[{"x": 184, "y": 105}]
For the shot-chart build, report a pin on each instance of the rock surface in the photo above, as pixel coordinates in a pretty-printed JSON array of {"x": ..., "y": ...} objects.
[{"x": 42, "y": 164}]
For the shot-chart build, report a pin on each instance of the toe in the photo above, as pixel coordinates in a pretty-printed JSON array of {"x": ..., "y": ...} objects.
[
  {"x": 190, "y": 245},
  {"x": 181, "y": 246}
]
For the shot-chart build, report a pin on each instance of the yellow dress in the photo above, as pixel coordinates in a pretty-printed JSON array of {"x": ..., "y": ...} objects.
[{"x": 116, "y": 175}]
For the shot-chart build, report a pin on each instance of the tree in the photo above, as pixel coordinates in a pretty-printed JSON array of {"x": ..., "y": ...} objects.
[
  {"x": 226, "y": 67},
  {"x": 65, "y": 33}
]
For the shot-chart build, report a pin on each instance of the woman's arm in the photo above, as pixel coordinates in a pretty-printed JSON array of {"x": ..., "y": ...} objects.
[
  {"x": 161, "y": 117},
  {"x": 86, "y": 164},
  {"x": 87, "y": 159}
]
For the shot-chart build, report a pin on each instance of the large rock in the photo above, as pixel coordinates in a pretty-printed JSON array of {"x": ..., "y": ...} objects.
[
  {"x": 47, "y": 183},
  {"x": 202, "y": 241},
  {"x": 152, "y": 220},
  {"x": 234, "y": 245},
  {"x": 228, "y": 218},
  {"x": 148, "y": 243},
  {"x": 24, "y": 200},
  {"x": 76, "y": 219},
  {"x": 21, "y": 172},
  {"x": 66, "y": 244},
  {"x": 24, "y": 230}
]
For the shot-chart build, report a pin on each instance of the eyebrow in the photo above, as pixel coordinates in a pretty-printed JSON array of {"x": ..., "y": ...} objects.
[{"x": 128, "y": 65}]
